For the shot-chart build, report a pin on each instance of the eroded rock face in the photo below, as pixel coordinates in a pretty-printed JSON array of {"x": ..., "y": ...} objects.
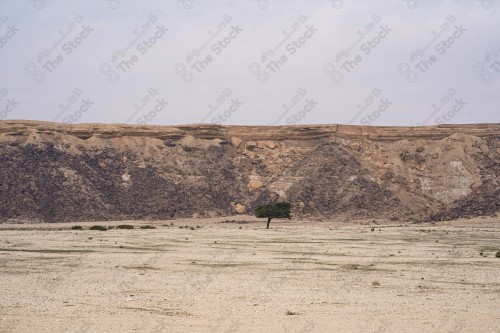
[{"x": 55, "y": 172}]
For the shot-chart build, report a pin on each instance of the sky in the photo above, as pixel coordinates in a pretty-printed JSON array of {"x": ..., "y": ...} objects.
[{"x": 251, "y": 62}]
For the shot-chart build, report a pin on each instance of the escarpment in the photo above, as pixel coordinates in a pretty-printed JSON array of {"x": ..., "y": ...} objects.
[{"x": 56, "y": 172}]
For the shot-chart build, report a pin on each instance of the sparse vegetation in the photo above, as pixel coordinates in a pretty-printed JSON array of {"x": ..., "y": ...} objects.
[
  {"x": 235, "y": 221},
  {"x": 190, "y": 227},
  {"x": 147, "y": 227},
  {"x": 77, "y": 227},
  {"x": 99, "y": 228},
  {"x": 271, "y": 211},
  {"x": 125, "y": 226}
]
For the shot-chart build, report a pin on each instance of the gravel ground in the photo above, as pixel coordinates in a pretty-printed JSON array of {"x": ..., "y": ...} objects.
[{"x": 230, "y": 275}]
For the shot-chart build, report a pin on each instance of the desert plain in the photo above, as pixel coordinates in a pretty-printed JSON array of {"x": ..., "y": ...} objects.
[{"x": 233, "y": 275}]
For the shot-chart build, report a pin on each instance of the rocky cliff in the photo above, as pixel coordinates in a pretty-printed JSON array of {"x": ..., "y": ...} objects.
[{"x": 56, "y": 172}]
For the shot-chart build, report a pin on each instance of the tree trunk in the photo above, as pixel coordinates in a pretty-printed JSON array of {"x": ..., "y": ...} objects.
[{"x": 268, "y": 221}]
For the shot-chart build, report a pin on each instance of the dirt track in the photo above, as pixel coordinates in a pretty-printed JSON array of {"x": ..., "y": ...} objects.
[{"x": 295, "y": 277}]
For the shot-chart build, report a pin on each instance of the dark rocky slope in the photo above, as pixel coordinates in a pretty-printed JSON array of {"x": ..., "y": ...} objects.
[{"x": 54, "y": 172}]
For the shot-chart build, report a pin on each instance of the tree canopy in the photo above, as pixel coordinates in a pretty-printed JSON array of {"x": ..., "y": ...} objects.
[{"x": 274, "y": 210}]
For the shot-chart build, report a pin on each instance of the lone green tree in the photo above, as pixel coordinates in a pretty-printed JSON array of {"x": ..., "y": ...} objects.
[{"x": 275, "y": 210}]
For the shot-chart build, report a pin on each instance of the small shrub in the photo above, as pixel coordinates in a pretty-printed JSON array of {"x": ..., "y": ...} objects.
[
  {"x": 98, "y": 227},
  {"x": 124, "y": 226},
  {"x": 77, "y": 227},
  {"x": 147, "y": 227},
  {"x": 376, "y": 284},
  {"x": 498, "y": 254},
  {"x": 291, "y": 313}
]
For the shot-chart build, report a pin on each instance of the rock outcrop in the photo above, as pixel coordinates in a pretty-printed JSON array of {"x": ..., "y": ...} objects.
[{"x": 56, "y": 172}]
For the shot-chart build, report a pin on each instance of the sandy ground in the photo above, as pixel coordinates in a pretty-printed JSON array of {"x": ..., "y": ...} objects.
[{"x": 240, "y": 277}]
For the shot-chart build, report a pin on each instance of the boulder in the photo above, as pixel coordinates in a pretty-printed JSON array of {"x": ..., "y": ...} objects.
[
  {"x": 485, "y": 149},
  {"x": 270, "y": 144},
  {"x": 476, "y": 184},
  {"x": 266, "y": 144},
  {"x": 387, "y": 175},
  {"x": 251, "y": 145},
  {"x": 255, "y": 184},
  {"x": 355, "y": 145},
  {"x": 240, "y": 209},
  {"x": 235, "y": 141},
  {"x": 419, "y": 158}
]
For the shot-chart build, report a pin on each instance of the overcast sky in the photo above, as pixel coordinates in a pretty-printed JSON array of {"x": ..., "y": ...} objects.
[{"x": 250, "y": 62}]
